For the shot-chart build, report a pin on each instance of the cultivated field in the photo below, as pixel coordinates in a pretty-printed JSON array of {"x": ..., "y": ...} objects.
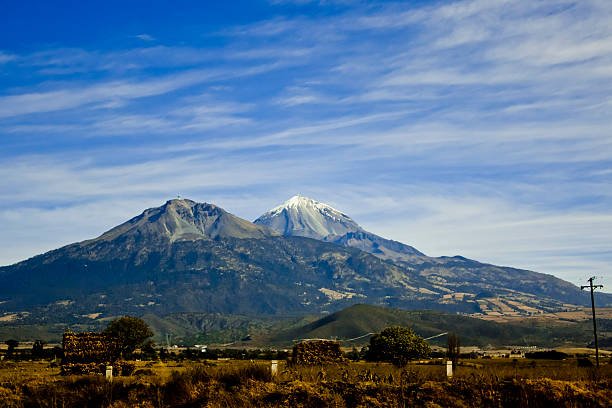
[{"x": 494, "y": 383}]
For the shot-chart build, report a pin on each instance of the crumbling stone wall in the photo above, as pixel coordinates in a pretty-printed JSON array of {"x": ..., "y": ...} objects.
[
  {"x": 88, "y": 348},
  {"x": 87, "y": 353},
  {"x": 315, "y": 352}
]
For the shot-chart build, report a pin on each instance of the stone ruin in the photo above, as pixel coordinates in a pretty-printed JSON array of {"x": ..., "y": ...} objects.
[
  {"x": 317, "y": 352},
  {"x": 90, "y": 353}
]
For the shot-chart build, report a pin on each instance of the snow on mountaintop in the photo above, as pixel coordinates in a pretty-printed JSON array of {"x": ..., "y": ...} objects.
[
  {"x": 299, "y": 201},
  {"x": 303, "y": 216}
]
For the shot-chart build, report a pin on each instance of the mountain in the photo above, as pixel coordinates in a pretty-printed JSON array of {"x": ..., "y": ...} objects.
[
  {"x": 305, "y": 217},
  {"x": 190, "y": 257},
  {"x": 454, "y": 281}
]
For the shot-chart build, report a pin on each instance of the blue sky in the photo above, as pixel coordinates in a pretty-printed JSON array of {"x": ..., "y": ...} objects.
[{"x": 481, "y": 128}]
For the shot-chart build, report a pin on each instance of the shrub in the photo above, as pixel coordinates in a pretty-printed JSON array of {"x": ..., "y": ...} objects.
[
  {"x": 187, "y": 386},
  {"x": 128, "y": 333},
  {"x": 547, "y": 355},
  {"x": 124, "y": 368},
  {"x": 143, "y": 372},
  {"x": 584, "y": 362},
  {"x": 397, "y": 345},
  {"x": 236, "y": 377}
]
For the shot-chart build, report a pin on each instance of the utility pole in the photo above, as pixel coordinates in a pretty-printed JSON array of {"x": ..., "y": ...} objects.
[{"x": 593, "y": 287}]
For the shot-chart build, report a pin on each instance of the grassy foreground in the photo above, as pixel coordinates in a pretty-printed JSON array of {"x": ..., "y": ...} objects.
[{"x": 484, "y": 383}]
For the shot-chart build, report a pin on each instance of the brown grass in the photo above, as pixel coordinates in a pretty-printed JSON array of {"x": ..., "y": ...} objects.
[{"x": 486, "y": 383}]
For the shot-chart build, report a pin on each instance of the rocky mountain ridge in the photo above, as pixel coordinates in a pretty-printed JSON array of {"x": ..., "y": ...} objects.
[
  {"x": 183, "y": 219},
  {"x": 189, "y": 257},
  {"x": 456, "y": 279},
  {"x": 305, "y": 217}
]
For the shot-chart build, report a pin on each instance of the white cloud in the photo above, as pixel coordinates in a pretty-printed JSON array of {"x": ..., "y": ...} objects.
[
  {"x": 102, "y": 93},
  {"x": 4, "y": 57},
  {"x": 566, "y": 243},
  {"x": 145, "y": 37},
  {"x": 473, "y": 127},
  {"x": 114, "y": 93}
]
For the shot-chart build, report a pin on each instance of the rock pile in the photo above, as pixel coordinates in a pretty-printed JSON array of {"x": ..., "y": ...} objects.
[
  {"x": 88, "y": 348},
  {"x": 87, "y": 353},
  {"x": 315, "y": 352}
]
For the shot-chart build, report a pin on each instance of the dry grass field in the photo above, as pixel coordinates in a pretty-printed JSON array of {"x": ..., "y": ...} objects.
[
  {"x": 501, "y": 314},
  {"x": 492, "y": 383}
]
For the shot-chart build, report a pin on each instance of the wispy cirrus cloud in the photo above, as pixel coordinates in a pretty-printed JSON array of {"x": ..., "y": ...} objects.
[
  {"x": 100, "y": 94},
  {"x": 472, "y": 127},
  {"x": 145, "y": 37},
  {"x": 114, "y": 92},
  {"x": 4, "y": 57}
]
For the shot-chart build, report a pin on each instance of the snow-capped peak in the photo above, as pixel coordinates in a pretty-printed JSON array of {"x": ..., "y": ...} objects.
[
  {"x": 299, "y": 201},
  {"x": 306, "y": 217}
]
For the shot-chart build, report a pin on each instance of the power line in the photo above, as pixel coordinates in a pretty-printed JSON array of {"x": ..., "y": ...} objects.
[
  {"x": 437, "y": 335},
  {"x": 593, "y": 287},
  {"x": 360, "y": 337},
  {"x": 335, "y": 339}
]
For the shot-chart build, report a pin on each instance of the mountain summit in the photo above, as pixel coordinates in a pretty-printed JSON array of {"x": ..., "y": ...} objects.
[
  {"x": 305, "y": 217},
  {"x": 182, "y": 219}
]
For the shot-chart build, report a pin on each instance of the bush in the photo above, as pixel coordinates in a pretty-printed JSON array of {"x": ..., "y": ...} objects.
[
  {"x": 144, "y": 372},
  {"x": 236, "y": 377},
  {"x": 188, "y": 386},
  {"x": 124, "y": 368},
  {"x": 128, "y": 333},
  {"x": 397, "y": 345},
  {"x": 547, "y": 355}
]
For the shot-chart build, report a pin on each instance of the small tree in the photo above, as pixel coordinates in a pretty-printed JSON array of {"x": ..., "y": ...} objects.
[
  {"x": 353, "y": 355},
  {"x": 12, "y": 345},
  {"x": 454, "y": 349},
  {"x": 397, "y": 345},
  {"x": 38, "y": 349},
  {"x": 148, "y": 350},
  {"x": 129, "y": 333}
]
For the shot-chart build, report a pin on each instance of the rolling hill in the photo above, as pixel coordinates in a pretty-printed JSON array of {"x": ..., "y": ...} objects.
[{"x": 360, "y": 319}]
